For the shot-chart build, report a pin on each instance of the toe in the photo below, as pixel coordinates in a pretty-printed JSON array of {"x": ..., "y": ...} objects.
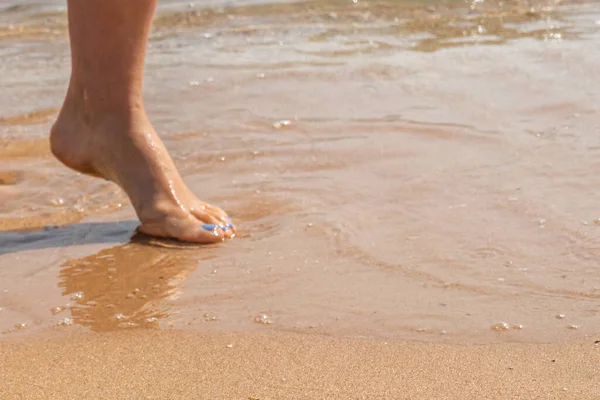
[
  {"x": 228, "y": 230},
  {"x": 208, "y": 233},
  {"x": 209, "y": 222},
  {"x": 214, "y": 215},
  {"x": 212, "y": 210},
  {"x": 205, "y": 217},
  {"x": 212, "y": 224}
]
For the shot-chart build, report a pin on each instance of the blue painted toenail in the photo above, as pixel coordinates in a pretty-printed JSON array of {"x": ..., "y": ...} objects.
[
  {"x": 225, "y": 227},
  {"x": 209, "y": 227},
  {"x": 232, "y": 226}
]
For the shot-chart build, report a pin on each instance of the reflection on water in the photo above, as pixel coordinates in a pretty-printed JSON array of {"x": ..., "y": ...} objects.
[
  {"x": 396, "y": 169},
  {"x": 125, "y": 286}
]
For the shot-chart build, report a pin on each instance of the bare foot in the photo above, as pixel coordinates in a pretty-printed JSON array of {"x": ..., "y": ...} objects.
[{"x": 123, "y": 147}]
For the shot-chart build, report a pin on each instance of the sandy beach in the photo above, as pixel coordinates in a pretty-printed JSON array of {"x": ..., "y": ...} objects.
[
  {"x": 415, "y": 187},
  {"x": 180, "y": 365}
]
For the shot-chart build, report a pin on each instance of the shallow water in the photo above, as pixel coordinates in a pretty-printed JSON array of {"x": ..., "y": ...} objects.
[{"x": 408, "y": 170}]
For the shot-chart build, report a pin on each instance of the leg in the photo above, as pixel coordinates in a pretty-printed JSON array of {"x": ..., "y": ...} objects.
[{"x": 103, "y": 130}]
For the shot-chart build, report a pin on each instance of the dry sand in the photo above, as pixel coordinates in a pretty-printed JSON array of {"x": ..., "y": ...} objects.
[{"x": 183, "y": 365}]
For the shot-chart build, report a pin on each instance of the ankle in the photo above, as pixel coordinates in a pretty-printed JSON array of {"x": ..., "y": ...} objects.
[{"x": 95, "y": 106}]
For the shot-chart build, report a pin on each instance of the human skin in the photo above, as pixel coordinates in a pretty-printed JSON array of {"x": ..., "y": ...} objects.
[{"x": 103, "y": 130}]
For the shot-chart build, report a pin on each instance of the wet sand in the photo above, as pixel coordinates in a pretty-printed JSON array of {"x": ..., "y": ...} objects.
[
  {"x": 422, "y": 175},
  {"x": 180, "y": 365}
]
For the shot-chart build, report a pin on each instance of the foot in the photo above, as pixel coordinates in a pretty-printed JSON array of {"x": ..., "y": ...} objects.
[{"x": 123, "y": 147}]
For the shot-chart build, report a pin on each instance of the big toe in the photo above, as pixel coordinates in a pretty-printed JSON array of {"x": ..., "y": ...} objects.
[{"x": 207, "y": 214}]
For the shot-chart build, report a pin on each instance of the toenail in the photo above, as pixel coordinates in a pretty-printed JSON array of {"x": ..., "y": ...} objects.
[
  {"x": 224, "y": 227},
  {"x": 209, "y": 227},
  {"x": 231, "y": 226}
]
